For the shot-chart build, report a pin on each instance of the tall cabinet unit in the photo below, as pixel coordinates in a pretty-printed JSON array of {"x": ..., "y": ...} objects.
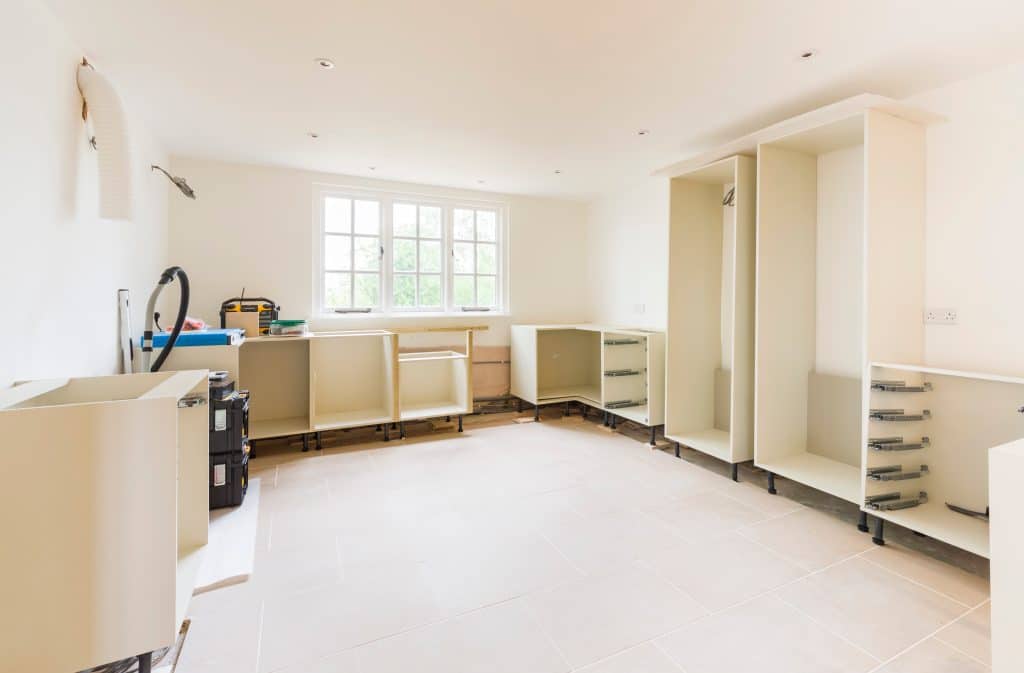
[
  {"x": 840, "y": 273},
  {"x": 710, "y": 346}
]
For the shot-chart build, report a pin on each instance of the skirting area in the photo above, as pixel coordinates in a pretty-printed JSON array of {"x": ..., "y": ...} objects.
[{"x": 560, "y": 546}]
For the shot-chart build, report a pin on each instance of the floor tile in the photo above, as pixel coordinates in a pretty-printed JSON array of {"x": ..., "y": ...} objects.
[
  {"x": 724, "y": 570},
  {"x": 776, "y": 638},
  {"x": 222, "y": 640},
  {"x": 958, "y": 584},
  {"x": 812, "y": 539},
  {"x": 972, "y": 634},
  {"x": 933, "y": 656},
  {"x": 872, "y": 607},
  {"x": 595, "y": 617},
  {"x": 343, "y": 662},
  {"x": 758, "y": 498},
  {"x": 697, "y": 517},
  {"x": 308, "y": 625},
  {"x": 644, "y": 658},
  {"x": 498, "y": 639},
  {"x": 602, "y": 543},
  {"x": 297, "y": 567}
]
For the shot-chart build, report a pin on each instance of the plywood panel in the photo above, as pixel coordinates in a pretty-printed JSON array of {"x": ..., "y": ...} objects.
[
  {"x": 785, "y": 314},
  {"x": 568, "y": 358},
  {"x": 276, "y": 373},
  {"x": 834, "y": 417},
  {"x": 742, "y": 414},
  {"x": 523, "y": 366},
  {"x": 723, "y": 399},
  {"x": 895, "y": 210}
]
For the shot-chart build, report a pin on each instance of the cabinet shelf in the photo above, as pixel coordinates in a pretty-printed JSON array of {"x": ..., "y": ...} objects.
[
  {"x": 278, "y": 427},
  {"x": 824, "y": 474}
]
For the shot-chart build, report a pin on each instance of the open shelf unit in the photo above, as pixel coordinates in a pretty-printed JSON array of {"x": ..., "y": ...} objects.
[
  {"x": 709, "y": 403},
  {"x": 433, "y": 384},
  {"x": 968, "y": 414},
  {"x": 618, "y": 370},
  {"x": 352, "y": 380},
  {"x": 119, "y": 538},
  {"x": 276, "y": 373},
  {"x": 840, "y": 254}
]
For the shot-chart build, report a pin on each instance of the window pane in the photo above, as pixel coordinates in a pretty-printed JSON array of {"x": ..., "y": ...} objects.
[
  {"x": 337, "y": 215},
  {"x": 405, "y": 219},
  {"x": 430, "y": 222},
  {"x": 430, "y": 290},
  {"x": 338, "y": 290},
  {"x": 463, "y": 229},
  {"x": 367, "y": 253},
  {"x": 463, "y": 290},
  {"x": 404, "y": 290},
  {"x": 485, "y": 291},
  {"x": 404, "y": 255},
  {"x": 430, "y": 256},
  {"x": 367, "y": 217},
  {"x": 486, "y": 225},
  {"x": 486, "y": 258},
  {"x": 463, "y": 258},
  {"x": 337, "y": 253},
  {"x": 367, "y": 289}
]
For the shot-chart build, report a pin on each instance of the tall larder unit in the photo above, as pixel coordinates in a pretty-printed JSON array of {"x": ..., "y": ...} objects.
[{"x": 709, "y": 403}]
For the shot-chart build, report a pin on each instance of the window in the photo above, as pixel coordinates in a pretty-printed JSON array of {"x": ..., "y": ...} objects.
[{"x": 397, "y": 253}]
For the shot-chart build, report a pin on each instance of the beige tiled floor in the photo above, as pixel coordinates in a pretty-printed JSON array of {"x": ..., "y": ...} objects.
[{"x": 558, "y": 546}]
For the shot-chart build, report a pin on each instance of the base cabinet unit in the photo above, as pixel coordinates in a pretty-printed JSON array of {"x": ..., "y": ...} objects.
[
  {"x": 105, "y": 516},
  {"x": 840, "y": 275},
  {"x": 352, "y": 380},
  {"x": 1006, "y": 464},
  {"x": 928, "y": 433},
  {"x": 709, "y": 403},
  {"x": 620, "y": 371}
]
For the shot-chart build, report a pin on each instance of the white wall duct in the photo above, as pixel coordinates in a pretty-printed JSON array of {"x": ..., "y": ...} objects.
[{"x": 108, "y": 132}]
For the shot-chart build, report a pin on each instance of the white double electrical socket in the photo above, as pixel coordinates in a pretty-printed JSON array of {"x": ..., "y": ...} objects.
[{"x": 940, "y": 316}]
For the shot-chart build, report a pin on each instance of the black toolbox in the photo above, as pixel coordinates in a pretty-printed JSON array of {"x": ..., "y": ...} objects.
[
  {"x": 229, "y": 444},
  {"x": 229, "y": 478}
]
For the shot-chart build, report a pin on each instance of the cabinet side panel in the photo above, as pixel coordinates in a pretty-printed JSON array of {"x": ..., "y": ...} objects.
[
  {"x": 895, "y": 217},
  {"x": 523, "y": 356},
  {"x": 785, "y": 312},
  {"x": 741, "y": 417}
]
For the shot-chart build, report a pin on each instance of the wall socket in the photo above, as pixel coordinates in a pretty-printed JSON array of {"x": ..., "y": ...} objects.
[
  {"x": 940, "y": 316},
  {"x": 639, "y": 308}
]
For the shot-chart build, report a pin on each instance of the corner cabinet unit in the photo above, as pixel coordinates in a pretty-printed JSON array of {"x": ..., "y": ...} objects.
[
  {"x": 840, "y": 276},
  {"x": 709, "y": 404},
  {"x": 618, "y": 370},
  {"x": 928, "y": 433},
  {"x": 105, "y": 513}
]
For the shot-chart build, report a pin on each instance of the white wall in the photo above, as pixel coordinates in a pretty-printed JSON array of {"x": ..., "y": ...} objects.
[
  {"x": 252, "y": 226},
  {"x": 975, "y": 229},
  {"x": 974, "y": 238},
  {"x": 60, "y": 264},
  {"x": 627, "y": 256}
]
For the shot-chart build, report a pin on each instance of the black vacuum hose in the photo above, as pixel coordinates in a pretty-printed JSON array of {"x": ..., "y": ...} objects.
[{"x": 166, "y": 277}]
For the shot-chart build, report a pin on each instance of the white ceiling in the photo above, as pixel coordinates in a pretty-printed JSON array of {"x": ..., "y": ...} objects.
[{"x": 452, "y": 92}]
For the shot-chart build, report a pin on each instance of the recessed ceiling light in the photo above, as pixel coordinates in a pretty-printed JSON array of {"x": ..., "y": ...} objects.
[
  {"x": 808, "y": 54},
  {"x": 642, "y": 132},
  {"x": 313, "y": 134},
  {"x": 558, "y": 171},
  {"x": 479, "y": 182},
  {"x": 325, "y": 63},
  {"x": 372, "y": 168}
]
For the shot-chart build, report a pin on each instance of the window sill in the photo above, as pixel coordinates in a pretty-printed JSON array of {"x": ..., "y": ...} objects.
[{"x": 413, "y": 315}]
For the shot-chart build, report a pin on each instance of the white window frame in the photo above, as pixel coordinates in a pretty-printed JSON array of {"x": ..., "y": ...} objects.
[{"x": 387, "y": 200}]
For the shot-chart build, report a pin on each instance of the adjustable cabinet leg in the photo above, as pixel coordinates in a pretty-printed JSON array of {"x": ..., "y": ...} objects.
[
  {"x": 566, "y": 409},
  {"x": 735, "y": 471},
  {"x": 606, "y": 419},
  {"x": 771, "y": 483},
  {"x": 319, "y": 442},
  {"x": 305, "y": 442},
  {"x": 378, "y": 428},
  {"x": 583, "y": 411},
  {"x": 653, "y": 435},
  {"x": 460, "y": 422},
  {"x": 401, "y": 430},
  {"x": 519, "y": 405},
  {"x": 146, "y": 662},
  {"x": 677, "y": 449},
  {"x": 862, "y": 522},
  {"x": 387, "y": 433},
  {"x": 447, "y": 419},
  {"x": 536, "y": 412},
  {"x": 394, "y": 426},
  {"x": 879, "y": 536},
  {"x": 612, "y": 423}
]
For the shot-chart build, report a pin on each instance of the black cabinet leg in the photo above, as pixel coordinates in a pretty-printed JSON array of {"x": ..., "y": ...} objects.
[
  {"x": 862, "y": 522},
  {"x": 378, "y": 427},
  {"x": 879, "y": 536},
  {"x": 305, "y": 442},
  {"x": 319, "y": 442},
  {"x": 654, "y": 432},
  {"x": 536, "y": 412},
  {"x": 612, "y": 423},
  {"x": 394, "y": 426},
  {"x": 447, "y": 419},
  {"x": 460, "y": 422},
  {"x": 519, "y": 405},
  {"x": 771, "y": 483},
  {"x": 146, "y": 662},
  {"x": 252, "y": 448},
  {"x": 401, "y": 430},
  {"x": 735, "y": 471},
  {"x": 584, "y": 409},
  {"x": 606, "y": 419},
  {"x": 567, "y": 410},
  {"x": 677, "y": 449},
  {"x": 387, "y": 433}
]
